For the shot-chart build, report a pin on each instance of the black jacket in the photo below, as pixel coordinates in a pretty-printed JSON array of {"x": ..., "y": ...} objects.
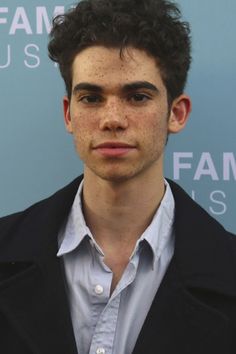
[{"x": 194, "y": 311}]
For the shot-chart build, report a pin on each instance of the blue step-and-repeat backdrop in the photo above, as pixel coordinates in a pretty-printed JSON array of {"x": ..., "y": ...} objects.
[{"x": 37, "y": 157}]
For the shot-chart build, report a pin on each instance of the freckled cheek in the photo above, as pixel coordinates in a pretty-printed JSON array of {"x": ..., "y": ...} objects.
[
  {"x": 152, "y": 130},
  {"x": 83, "y": 123},
  {"x": 83, "y": 131},
  {"x": 152, "y": 121}
]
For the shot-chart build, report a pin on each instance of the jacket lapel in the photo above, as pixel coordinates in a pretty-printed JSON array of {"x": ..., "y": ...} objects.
[
  {"x": 179, "y": 323},
  {"x": 32, "y": 286},
  {"x": 35, "y": 303},
  {"x": 203, "y": 250},
  {"x": 184, "y": 317}
]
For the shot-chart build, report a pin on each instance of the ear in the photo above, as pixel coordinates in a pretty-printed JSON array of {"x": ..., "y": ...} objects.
[
  {"x": 67, "y": 117},
  {"x": 180, "y": 110}
]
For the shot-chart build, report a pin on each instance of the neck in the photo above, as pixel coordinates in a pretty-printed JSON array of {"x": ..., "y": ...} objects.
[{"x": 119, "y": 212}]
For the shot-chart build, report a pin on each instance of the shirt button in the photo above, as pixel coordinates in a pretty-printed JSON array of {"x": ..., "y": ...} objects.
[
  {"x": 99, "y": 290},
  {"x": 100, "y": 351}
]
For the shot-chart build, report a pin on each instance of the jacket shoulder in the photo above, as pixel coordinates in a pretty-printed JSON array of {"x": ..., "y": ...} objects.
[
  {"x": 193, "y": 214},
  {"x": 37, "y": 223},
  {"x": 9, "y": 222}
]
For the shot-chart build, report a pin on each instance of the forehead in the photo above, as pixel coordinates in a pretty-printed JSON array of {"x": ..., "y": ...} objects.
[{"x": 103, "y": 65}]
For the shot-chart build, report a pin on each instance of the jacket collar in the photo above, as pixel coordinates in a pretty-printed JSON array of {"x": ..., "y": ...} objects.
[
  {"x": 203, "y": 250},
  {"x": 32, "y": 285},
  {"x": 34, "y": 232}
]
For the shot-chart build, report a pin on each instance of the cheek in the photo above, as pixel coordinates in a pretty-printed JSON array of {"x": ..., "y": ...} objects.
[
  {"x": 82, "y": 124},
  {"x": 152, "y": 126},
  {"x": 81, "y": 131}
]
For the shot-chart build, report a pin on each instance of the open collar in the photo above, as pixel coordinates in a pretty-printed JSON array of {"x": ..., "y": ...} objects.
[{"x": 202, "y": 251}]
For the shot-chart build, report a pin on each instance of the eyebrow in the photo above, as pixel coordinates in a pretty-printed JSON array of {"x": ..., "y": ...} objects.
[
  {"x": 85, "y": 86},
  {"x": 137, "y": 85},
  {"x": 133, "y": 86}
]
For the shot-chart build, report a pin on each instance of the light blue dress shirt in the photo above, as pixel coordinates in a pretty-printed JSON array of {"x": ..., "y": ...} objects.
[{"x": 105, "y": 324}]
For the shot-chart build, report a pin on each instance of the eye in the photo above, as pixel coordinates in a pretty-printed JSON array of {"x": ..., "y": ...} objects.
[
  {"x": 139, "y": 97},
  {"x": 90, "y": 99}
]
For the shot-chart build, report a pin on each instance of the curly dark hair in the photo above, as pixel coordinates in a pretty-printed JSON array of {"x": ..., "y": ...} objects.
[{"x": 151, "y": 25}]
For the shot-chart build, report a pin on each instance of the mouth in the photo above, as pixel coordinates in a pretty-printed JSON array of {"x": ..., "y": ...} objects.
[{"x": 113, "y": 149}]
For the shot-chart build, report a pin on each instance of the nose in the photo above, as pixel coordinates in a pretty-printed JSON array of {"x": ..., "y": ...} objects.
[{"x": 113, "y": 117}]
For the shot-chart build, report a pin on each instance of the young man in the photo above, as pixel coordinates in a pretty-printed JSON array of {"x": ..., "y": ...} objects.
[{"x": 120, "y": 261}]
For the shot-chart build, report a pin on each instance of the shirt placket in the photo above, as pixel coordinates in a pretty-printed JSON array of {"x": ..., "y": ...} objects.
[{"x": 105, "y": 329}]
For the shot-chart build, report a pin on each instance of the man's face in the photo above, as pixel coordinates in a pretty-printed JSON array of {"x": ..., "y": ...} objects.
[{"x": 118, "y": 113}]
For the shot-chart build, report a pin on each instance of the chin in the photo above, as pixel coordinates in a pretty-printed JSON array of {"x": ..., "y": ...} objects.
[{"x": 115, "y": 176}]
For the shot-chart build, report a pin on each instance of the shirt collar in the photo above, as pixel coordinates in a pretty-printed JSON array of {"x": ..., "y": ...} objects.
[
  {"x": 157, "y": 234},
  {"x": 75, "y": 230},
  {"x": 160, "y": 231}
]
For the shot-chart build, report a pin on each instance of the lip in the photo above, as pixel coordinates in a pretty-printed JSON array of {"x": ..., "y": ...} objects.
[{"x": 113, "y": 149}]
